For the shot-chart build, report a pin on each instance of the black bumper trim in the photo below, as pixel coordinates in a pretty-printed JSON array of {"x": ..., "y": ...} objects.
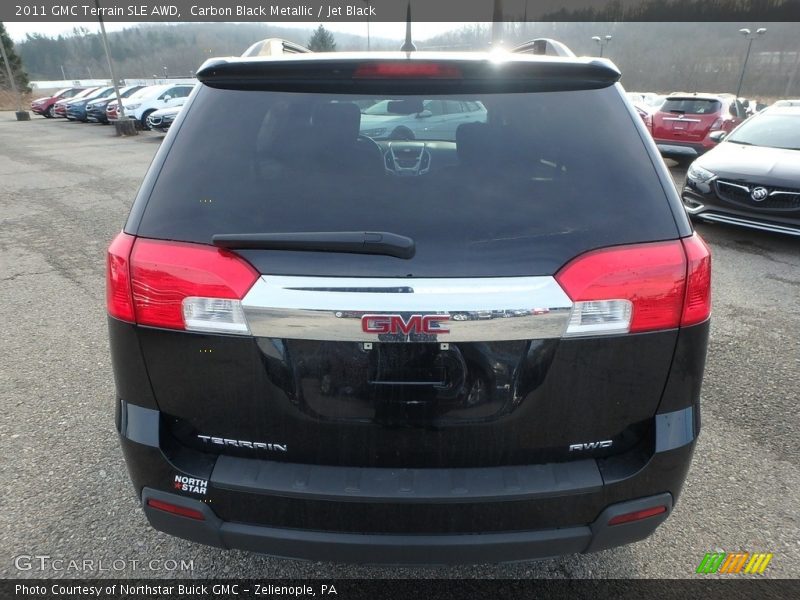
[
  {"x": 404, "y": 549},
  {"x": 406, "y": 485}
]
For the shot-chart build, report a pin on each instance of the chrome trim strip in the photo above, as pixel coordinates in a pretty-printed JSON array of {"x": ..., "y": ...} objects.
[
  {"x": 717, "y": 218},
  {"x": 774, "y": 192},
  {"x": 484, "y": 309},
  {"x": 681, "y": 120},
  {"x": 736, "y": 185}
]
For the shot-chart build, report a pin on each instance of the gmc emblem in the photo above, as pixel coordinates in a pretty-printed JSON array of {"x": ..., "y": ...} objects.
[{"x": 429, "y": 324}]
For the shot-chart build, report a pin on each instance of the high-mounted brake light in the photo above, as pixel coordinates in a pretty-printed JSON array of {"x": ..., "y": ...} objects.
[
  {"x": 636, "y": 288},
  {"x": 406, "y": 69},
  {"x": 177, "y": 285}
]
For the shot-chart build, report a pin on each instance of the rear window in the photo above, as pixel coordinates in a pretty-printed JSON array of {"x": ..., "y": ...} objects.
[
  {"x": 486, "y": 184},
  {"x": 691, "y": 106}
]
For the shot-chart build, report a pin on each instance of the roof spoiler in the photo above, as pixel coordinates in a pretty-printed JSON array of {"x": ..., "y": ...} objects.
[
  {"x": 544, "y": 46},
  {"x": 275, "y": 47}
]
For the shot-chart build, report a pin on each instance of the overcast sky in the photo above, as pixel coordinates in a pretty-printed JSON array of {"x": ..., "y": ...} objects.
[{"x": 421, "y": 31}]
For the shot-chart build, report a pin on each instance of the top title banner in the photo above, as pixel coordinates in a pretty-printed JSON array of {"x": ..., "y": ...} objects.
[{"x": 395, "y": 10}]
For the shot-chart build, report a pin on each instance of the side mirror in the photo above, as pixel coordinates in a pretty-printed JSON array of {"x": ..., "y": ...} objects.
[
  {"x": 167, "y": 98},
  {"x": 717, "y": 136},
  {"x": 424, "y": 114}
]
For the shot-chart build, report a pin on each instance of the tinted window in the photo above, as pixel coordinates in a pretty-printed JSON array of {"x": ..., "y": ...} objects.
[
  {"x": 180, "y": 92},
  {"x": 518, "y": 188},
  {"x": 691, "y": 106},
  {"x": 435, "y": 106}
]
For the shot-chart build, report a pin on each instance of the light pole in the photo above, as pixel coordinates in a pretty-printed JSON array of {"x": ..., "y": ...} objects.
[
  {"x": 750, "y": 36},
  {"x": 602, "y": 41},
  {"x": 123, "y": 126},
  {"x": 368, "y": 41}
]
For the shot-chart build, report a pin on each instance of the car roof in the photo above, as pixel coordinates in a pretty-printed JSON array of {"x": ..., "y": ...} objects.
[{"x": 790, "y": 110}]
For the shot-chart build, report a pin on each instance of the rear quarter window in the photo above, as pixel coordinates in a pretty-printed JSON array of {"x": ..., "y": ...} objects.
[{"x": 509, "y": 185}]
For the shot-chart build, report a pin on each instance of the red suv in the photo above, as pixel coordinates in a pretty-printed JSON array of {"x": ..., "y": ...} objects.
[
  {"x": 45, "y": 106},
  {"x": 683, "y": 124}
]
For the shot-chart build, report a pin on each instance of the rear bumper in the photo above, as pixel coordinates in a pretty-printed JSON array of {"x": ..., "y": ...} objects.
[
  {"x": 676, "y": 149},
  {"x": 405, "y": 549},
  {"x": 410, "y": 516}
]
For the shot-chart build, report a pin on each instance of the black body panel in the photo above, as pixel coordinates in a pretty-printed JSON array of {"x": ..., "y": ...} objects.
[
  {"x": 334, "y": 499},
  {"x": 297, "y": 435},
  {"x": 272, "y": 391}
]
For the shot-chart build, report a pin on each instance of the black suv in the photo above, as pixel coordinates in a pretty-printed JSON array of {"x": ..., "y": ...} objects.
[{"x": 482, "y": 344}]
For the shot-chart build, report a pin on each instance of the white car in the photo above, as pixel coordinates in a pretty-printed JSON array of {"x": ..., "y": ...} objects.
[
  {"x": 432, "y": 120},
  {"x": 154, "y": 98}
]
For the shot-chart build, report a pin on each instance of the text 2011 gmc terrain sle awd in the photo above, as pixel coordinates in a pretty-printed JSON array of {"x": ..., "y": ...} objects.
[{"x": 408, "y": 308}]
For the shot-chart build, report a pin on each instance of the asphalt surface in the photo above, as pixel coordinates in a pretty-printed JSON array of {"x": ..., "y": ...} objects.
[{"x": 65, "y": 190}]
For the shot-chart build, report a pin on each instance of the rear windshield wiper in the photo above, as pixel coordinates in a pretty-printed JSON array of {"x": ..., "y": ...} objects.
[{"x": 353, "y": 242}]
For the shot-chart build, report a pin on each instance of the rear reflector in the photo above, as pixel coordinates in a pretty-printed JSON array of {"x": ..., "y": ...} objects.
[
  {"x": 637, "y": 515},
  {"x": 406, "y": 69},
  {"x": 176, "y": 510},
  {"x": 177, "y": 285}
]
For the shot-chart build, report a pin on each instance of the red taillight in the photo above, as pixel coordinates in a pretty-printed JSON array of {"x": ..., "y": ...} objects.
[
  {"x": 406, "y": 69},
  {"x": 177, "y": 285},
  {"x": 119, "y": 299},
  {"x": 176, "y": 509},
  {"x": 651, "y": 277},
  {"x": 697, "y": 306},
  {"x": 637, "y": 515},
  {"x": 163, "y": 274},
  {"x": 716, "y": 125}
]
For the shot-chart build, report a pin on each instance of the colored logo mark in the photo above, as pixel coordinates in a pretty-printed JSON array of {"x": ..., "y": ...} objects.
[{"x": 734, "y": 562}]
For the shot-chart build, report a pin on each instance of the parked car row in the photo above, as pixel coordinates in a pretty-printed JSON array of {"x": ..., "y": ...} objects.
[
  {"x": 752, "y": 177},
  {"x": 100, "y": 105}
]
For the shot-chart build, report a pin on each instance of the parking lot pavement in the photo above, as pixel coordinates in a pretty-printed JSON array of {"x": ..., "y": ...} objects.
[{"x": 65, "y": 190}]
